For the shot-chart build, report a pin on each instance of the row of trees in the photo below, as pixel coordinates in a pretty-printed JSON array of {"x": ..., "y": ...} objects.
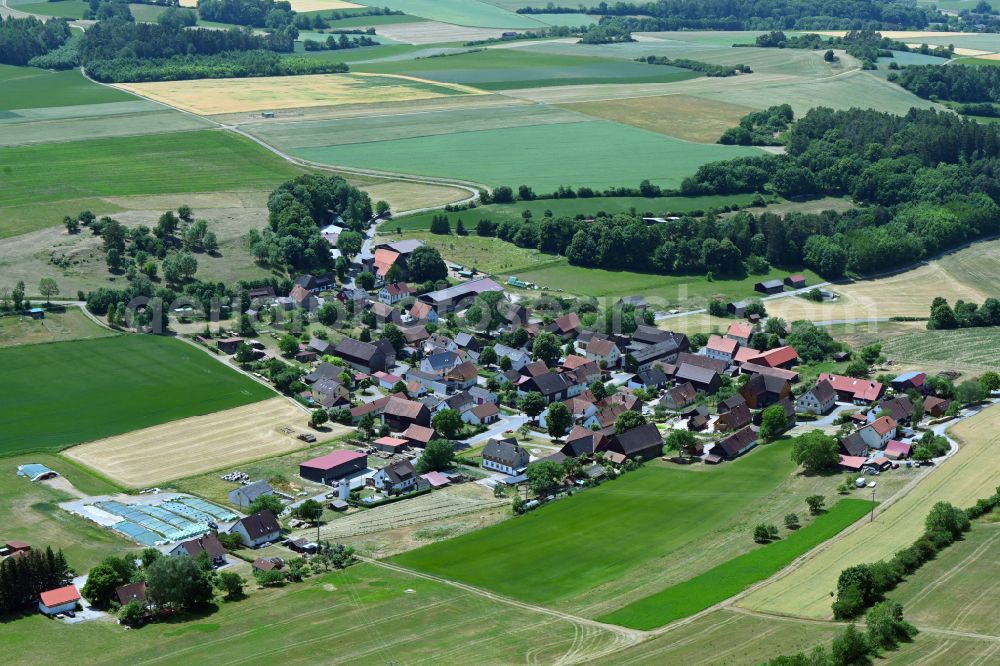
[
  {"x": 965, "y": 314},
  {"x": 228, "y": 64},
  {"x": 706, "y": 68},
  {"x": 885, "y": 629},
  {"x": 23, "y": 578},
  {"x": 332, "y": 43}
]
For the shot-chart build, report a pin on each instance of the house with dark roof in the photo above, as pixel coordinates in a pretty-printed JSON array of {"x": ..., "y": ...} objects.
[
  {"x": 899, "y": 408},
  {"x": 734, "y": 418},
  {"x": 679, "y": 397},
  {"x": 737, "y": 308},
  {"x": 553, "y": 386},
  {"x": 642, "y": 443},
  {"x": 418, "y": 436},
  {"x": 603, "y": 350},
  {"x": 909, "y": 380},
  {"x": 769, "y": 287},
  {"x": 583, "y": 441},
  {"x": 468, "y": 342},
  {"x": 854, "y": 445},
  {"x": 566, "y": 327},
  {"x": 761, "y": 391},
  {"x": 396, "y": 477},
  {"x": 131, "y": 592},
  {"x": 400, "y": 413},
  {"x": 332, "y": 467},
  {"x": 936, "y": 406},
  {"x": 206, "y": 543},
  {"x": 458, "y": 296},
  {"x": 820, "y": 399},
  {"x": 650, "y": 378},
  {"x": 440, "y": 363},
  {"x": 716, "y": 365},
  {"x": 796, "y": 281},
  {"x": 245, "y": 495},
  {"x": 702, "y": 379},
  {"x": 505, "y": 455},
  {"x": 363, "y": 356},
  {"x": 257, "y": 529},
  {"x": 735, "y": 444}
]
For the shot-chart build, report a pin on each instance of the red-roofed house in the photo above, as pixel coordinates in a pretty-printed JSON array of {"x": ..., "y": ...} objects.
[
  {"x": 745, "y": 355},
  {"x": 898, "y": 450},
  {"x": 852, "y": 463},
  {"x": 59, "y": 600},
  {"x": 858, "y": 391},
  {"x": 779, "y": 357},
  {"x": 878, "y": 433},
  {"x": 383, "y": 261},
  {"x": 418, "y": 436},
  {"x": 333, "y": 466},
  {"x": 482, "y": 414},
  {"x": 741, "y": 332},
  {"x": 436, "y": 479},
  {"x": 390, "y": 444},
  {"x": 721, "y": 348},
  {"x": 391, "y": 294},
  {"x": 604, "y": 351}
]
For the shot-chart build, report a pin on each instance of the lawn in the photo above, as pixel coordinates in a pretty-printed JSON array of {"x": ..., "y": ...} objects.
[
  {"x": 71, "y": 9},
  {"x": 657, "y": 206},
  {"x": 64, "y": 393},
  {"x": 487, "y": 255},
  {"x": 736, "y": 575},
  {"x": 55, "y": 327},
  {"x": 605, "y": 534},
  {"x": 200, "y": 161},
  {"x": 363, "y": 615},
  {"x": 29, "y": 512},
  {"x": 29, "y": 88},
  {"x": 472, "y": 13},
  {"x": 969, "y": 475},
  {"x": 597, "y": 154},
  {"x": 504, "y": 69}
]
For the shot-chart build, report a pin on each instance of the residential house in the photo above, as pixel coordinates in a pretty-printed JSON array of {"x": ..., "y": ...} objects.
[
  {"x": 333, "y": 467},
  {"x": 604, "y": 352},
  {"x": 820, "y": 399},
  {"x": 761, "y": 391},
  {"x": 878, "y": 433},
  {"x": 642, "y": 443},
  {"x": 396, "y": 477},
  {"x": 400, "y": 413},
  {"x": 440, "y": 363},
  {"x": 482, "y": 414},
  {"x": 769, "y": 287},
  {"x": 320, "y": 346},
  {"x": 460, "y": 402},
  {"x": 566, "y": 327},
  {"x": 736, "y": 444},
  {"x": 854, "y": 445},
  {"x": 323, "y": 370},
  {"x": 126, "y": 594},
  {"x": 302, "y": 298},
  {"x": 518, "y": 357},
  {"x": 909, "y": 380},
  {"x": 505, "y": 455},
  {"x": 331, "y": 393},
  {"x": 582, "y": 441},
  {"x": 857, "y": 391},
  {"x": 702, "y": 379},
  {"x": 257, "y": 529},
  {"x": 315, "y": 284},
  {"x": 386, "y": 314},
  {"x": 364, "y": 356},
  {"x": 481, "y": 396},
  {"x": 206, "y": 543},
  {"x": 468, "y": 342},
  {"x": 650, "y": 378},
  {"x": 605, "y": 416},
  {"x": 936, "y": 406},
  {"x": 421, "y": 311},
  {"x": 721, "y": 348},
  {"x": 393, "y": 293},
  {"x": 661, "y": 352},
  {"x": 553, "y": 386},
  {"x": 415, "y": 335},
  {"x": 355, "y": 295},
  {"x": 418, "y": 436},
  {"x": 697, "y": 418},
  {"x": 375, "y": 408},
  {"x": 463, "y": 376},
  {"x": 741, "y": 332},
  {"x": 426, "y": 380},
  {"x": 899, "y": 408},
  {"x": 228, "y": 345},
  {"x": 716, "y": 365},
  {"x": 534, "y": 369},
  {"x": 679, "y": 397},
  {"x": 245, "y": 495}
]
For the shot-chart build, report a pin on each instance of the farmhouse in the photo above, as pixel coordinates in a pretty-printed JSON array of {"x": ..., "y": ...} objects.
[
  {"x": 604, "y": 352},
  {"x": 761, "y": 391},
  {"x": 396, "y": 477},
  {"x": 820, "y": 399},
  {"x": 245, "y": 495},
  {"x": 735, "y": 418},
  {"x": 400, "y": 414},
  {"x": 721, "y": 348},
  {"x": 131, "y": 592},
  {"x": 858, "y": 391},
  {"x": 769, "y": 287},
  {"x": 741, "y": 332},
  {"x": 735, "y": 444},
  {"x": 702, "y": 379},
  {"x": 679, "y": 397},
  {"x": 207, "y": 543},
  {"x": 257, "y": 529},
  {"x": 553, "y": 386},
  {"x": 452, "y": 298},
  {"x": 878, "y": 433},
  {"x": 59, "y": 600},
  {"x": 391, "y": 294},
  {"x": 854, "y": 445},
  {"x": 505, "y": 455},
  {"x": 936, "y": 406},
  {"x": 333, "y": 466},
  {"x": 899, "y": 408}
]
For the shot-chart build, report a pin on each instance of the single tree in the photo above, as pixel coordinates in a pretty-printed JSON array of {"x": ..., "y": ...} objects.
[
  {"x": 773, "y": 422},
  {"x": 318, "y": 418},
  {"x": 367, "y": 426},
  {"x": 815, "y": 503},
  {"x": 365, "y": 280},
  {"x": 48, "y": 288},
  {"x": 628, "y": 420},
  {"x": 816, "y": 452},
  {"x": 532, "y": 404},
  {"x": 488, "y": 356},
  {"x": 544, "y": 476},
  {"x": 448, "y": 422},
  {"x": 792, "y": 521},
  {"x": 681, "y": 441},
  {"x": 395, "y": 337},
  {"x": 438, "y": 456},
  {"x": 310, "y": 511},
  {"x": 289, "y": 345},
  {"x": 764, "y": 533},
  {"x": 132, "y": 613},
  {"x": 231, "y": 584},
  {"x": 177, "y": 582},
  {"x": 267, "y": 502},
  {"x": 546, "y": 348},
  {"x": 886, "y": 626},
  {"x": 558, "y": 420}
]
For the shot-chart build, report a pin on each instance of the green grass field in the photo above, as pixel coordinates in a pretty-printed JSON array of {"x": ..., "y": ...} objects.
[
  {"x": 55, "y": 327},
  {"x": 968, "y": 348},
  {"x": 71, "y": 9},
  {"x": 29, "y": 88},
  {"x": 64, "y": 393},
  {"x": 503, "y": 69},
  {"x": 608, "y": 533},
  {"x": 362, "y": 615},
  {"x": 736, "y": 575},
  {"x": 199, "y": 161},
  {"x": 568, "y": 208},
  {"x": 472, "y": 13},
  {"x": 596, "y": 153},
  {"x": 29, "y": 512}
]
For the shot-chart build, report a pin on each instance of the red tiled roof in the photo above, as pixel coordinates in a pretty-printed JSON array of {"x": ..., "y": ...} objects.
[
  {"x": 60, "y": 596},
  {"x": 334, "y": 459},
  {"x": 384, "y": 259},
  {"x": 419, "y": 433},
  {"x": 852, "y": 462},
  {"x": 746, "y": 355},
  {"x": 391, "y": 441},
  {"x": 777, "y": 356},
  {"x": 722, "y": 345},
  {"x": 599, "y": 347},
  {"x": 574, "y": 361},
  {"x": 863, "y": 389},
  {"x": 883, "y": 425},
  {"x": 740, "y": 330}
]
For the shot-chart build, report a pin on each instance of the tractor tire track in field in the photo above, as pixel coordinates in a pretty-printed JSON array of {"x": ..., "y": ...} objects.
[{"x": 948, "y": 575}]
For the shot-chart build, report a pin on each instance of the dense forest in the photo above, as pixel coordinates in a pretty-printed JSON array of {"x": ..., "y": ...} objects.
[
  {"x": 27, "y": 38},
  {"x": 231, "y": 64},
  {"x": 255, "y": 13},
  {"x": 758, "y": 14},
  {"x": 957, "y": 83}
]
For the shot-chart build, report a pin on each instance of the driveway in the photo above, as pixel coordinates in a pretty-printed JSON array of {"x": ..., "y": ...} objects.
[{"x": 498, "y": 429}]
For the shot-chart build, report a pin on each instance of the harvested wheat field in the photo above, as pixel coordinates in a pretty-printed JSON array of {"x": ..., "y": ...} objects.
[
  {"x": 905, "y": 294},
  {"x": 969, "y": 475},
  {"x": 214, "y": 96},
  {"x": 405, "y": 195},
  {"x": 195, "y": 445},
  {"x": 321, "y": 5}
]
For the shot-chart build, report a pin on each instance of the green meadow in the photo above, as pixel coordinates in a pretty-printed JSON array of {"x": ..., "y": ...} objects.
[
  {"x": 472, "y": 13},
  {"x": 30, "y": 88},
  {"x": 64, "y": 393},
  {"x": 614, "y": 531},
  {"x": 739, "y": 573},
  {"x": 597, "y": 154},
  {"x": 71, "y": 9}
]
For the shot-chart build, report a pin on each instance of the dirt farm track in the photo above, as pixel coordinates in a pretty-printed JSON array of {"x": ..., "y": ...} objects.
[{"x": 195, "y": 445}]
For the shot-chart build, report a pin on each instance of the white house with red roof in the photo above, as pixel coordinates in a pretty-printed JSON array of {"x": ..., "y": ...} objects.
[
  {"x": 849, "y": 389},
  {"x": 721, "y": 348},
  {"x": 878, "y": 433},
  {"x": 59, "y": 600},
  {"x": 741, "y": 332}
]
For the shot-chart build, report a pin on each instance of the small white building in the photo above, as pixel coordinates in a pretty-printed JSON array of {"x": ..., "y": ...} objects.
[
  {"x": 820, "y": 399},
  {"x": 878, "y": 433},
  {"x": 396, "y": 477},
  {"x": 257, "y": 529},
  {"x": 59, "y": 600}
]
